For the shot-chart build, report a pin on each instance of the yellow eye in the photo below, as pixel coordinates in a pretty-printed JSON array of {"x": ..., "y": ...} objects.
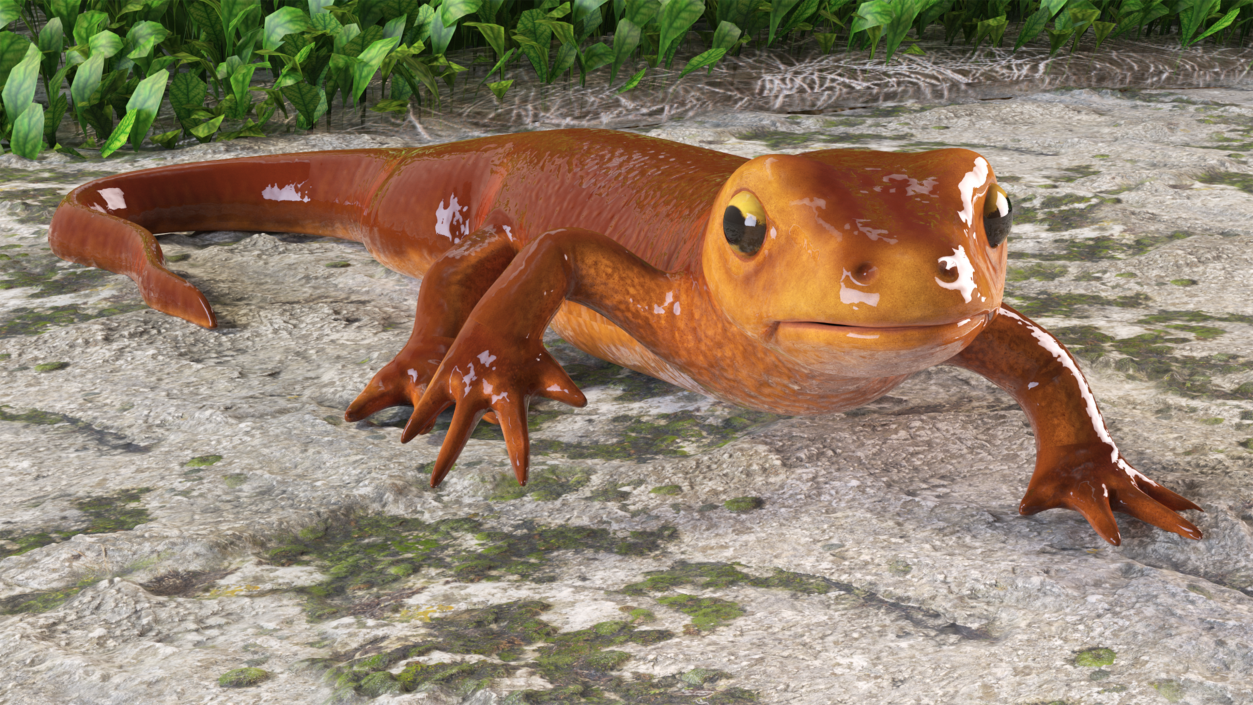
[
  {"x": 997, "y": 215},
  {"x": 744, "y": 223}
]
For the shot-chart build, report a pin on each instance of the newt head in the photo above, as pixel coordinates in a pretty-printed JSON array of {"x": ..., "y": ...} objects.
[{"x": 860, "y": 263}]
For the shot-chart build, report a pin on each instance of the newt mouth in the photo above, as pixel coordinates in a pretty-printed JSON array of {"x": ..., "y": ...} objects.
[{"x": 860, "y": 350}]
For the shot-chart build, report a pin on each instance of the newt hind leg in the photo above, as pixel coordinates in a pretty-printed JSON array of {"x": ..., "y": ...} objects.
[{"x": 450, "y": 290}]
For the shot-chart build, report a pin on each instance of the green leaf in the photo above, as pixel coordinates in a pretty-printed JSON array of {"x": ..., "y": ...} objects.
[
  {"x": 282, "y": 22},
  {"x": 1057, "y": 39},
  {"x": 85, "y": 88},
  {"x": 167, "y": 140},
  {"x": 499, "y": 88},
  {"x": 587, "y": 16},
  {"x": 240, "y": 80},
  {"x": 1218, "y": 26},
  {"x": 1191, "y": 20},
  {"x": 52, "y": 117},
  {"x": 395, "y": 27},
  {"x": 677, "y": 16},
  {"x": 143, "y": 38},
  {"x": 494, "y": 34},
  {"x": 441, "y": 34},
  {"x": 625, "y": 40},
  {"x": 595, "y": 56},
  {"x": 13, "y": 49},
  {"x": 453, "y": 10},
  {"x": 563, "y": 30},
  {"x": 187, "y": 92},
  {"x": 391, "y": 106},
  {"x": 19, "y": 90},
  {"x": 88, "y": 24},
  {"x": 104, "y": 43},
  {"x": 205, "y": 130},
  {"x": 145, "y": 102},
  {"x": 368, "y": 64},
  {"x": 120, "y": 134},
  {"x": 52, "y": 41},
  {"x": 1033, "y": 26},
  {"x": 27, "y": 139},
  {"x": 635, "y": 81},
  {"x": 641, "y": 12},
  {"x": 309, "y": 102},
  {"x": 778, "y": 8},
  {"x": 1103, "y": 30},
  {"x": 703, "y": 59},
  {"x": 737, "y": 12},
  {"x": 318, "y": 7},
  {"x": 566, "y": 55},
  {"x": 66, "y": 11},
  {"x": 726, "y": 36},
  {"x": 508, "y": 55},
  {"x": 8, "y": 12}
]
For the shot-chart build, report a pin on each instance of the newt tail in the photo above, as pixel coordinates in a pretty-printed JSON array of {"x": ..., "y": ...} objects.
[{"x": 109, "y": 223}]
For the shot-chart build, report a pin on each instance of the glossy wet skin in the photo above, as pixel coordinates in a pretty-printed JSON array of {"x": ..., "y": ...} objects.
[
  {"x": 891, "y": 284},
  {"x": 797, "y": 284}
]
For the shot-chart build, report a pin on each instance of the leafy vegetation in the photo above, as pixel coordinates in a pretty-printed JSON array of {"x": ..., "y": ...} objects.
[{"x": 225, "y": 68}]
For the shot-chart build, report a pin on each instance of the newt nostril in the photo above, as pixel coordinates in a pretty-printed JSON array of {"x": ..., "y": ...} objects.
[
  {"x": 865, "y": 273},
  {"x": 947, "y": 273}
]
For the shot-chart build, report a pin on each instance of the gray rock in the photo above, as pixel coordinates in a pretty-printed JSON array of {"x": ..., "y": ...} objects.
[{"x": 886, "y": 563}]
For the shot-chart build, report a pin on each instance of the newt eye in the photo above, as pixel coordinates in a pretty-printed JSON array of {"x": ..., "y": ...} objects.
[
  {"x": 998, "y": 216},
  {"x": 744, "y": 223}
]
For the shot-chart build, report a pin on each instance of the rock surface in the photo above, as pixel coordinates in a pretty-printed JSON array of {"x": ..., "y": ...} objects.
[{"x": 177, "y": 503}]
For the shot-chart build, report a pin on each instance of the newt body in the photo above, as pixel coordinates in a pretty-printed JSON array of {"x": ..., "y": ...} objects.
[{"x": 797, "y": 284}]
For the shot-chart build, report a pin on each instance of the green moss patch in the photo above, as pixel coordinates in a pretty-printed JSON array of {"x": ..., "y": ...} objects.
[
  {"x": 583, "y": 666},
  {"x": 744, "y": 504},
  {"x": 1095, "y": 658},
  {"x": 544, "y": 484},
  {"x": 667, "y": 490},
  {"x": 243, "y": 677},
  {"x": 725, "y": 575},
  {"x": 1151, "y": 356},
  {"x": 707, "y": 613},
  {"x": 1043, "y": 272},
  {"x": 662, "y": 435},
  {"x": 38, "y": 417},
  {"x": 120, "y": 511},
  {"x": 777, "y": 140},
  {"x": 1236, "y": 179},
  {"x": 51, "y": 366},
  {"x": 41, "y": 601},
  {"x": 202, "y": 461},
  {"x": 23, "y": 320},
  {"x": 1069, "y": 305},
  {"x": 366, "y": 555}
]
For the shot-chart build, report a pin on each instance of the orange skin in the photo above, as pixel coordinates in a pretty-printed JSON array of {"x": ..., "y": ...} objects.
[{"x": 874, "y": 265}]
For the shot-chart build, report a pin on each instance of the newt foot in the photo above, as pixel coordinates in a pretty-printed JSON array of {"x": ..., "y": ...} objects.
[
  {"x": 480, "y": 373},
  {"x": 1097, "y": 481}
]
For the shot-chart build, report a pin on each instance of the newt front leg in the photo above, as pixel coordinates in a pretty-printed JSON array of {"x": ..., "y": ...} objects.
[
  {"x": 450, "y": 290},
  {"x": 1077, "y": 464},
  {"x": 498, "y": 360}
]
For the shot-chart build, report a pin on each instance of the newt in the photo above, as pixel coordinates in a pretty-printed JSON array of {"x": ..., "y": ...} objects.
[{"x": 795, "y": 284}]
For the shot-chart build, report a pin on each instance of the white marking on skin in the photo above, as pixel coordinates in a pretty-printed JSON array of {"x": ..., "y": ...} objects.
[
  {"x": 664, "y": 304},
  {"x": 874, "y": 233},
  {"x": 859, "y": 335},
  {"x": 98, "y": 207},
  {"x": 554, "y": 387},
  {"x": 1047, "y": 342},
  {"x": 773, "y": 233},
  {"x": 915, "y": 186},
  {"x": 468, "y": 377},
  {"x": 447, "y": 217},
  {"x": 413, "y": 375},
  {"x": 676, "y": 308},
  {"x": 508, "y": 233},
  {"x": 853, "y": 296},
  {"x": 486, "y": 357},
  {"x": 287, "y": 193},
  {"x": 114, "y": 200},
  {"x": 1033, "y": 385},
  {"x": 971, "y": 181},
  {"x": 965, "y": 273}
]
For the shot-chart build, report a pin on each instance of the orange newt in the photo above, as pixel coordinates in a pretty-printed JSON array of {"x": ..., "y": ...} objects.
[{"x": 796, "y": 284}]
